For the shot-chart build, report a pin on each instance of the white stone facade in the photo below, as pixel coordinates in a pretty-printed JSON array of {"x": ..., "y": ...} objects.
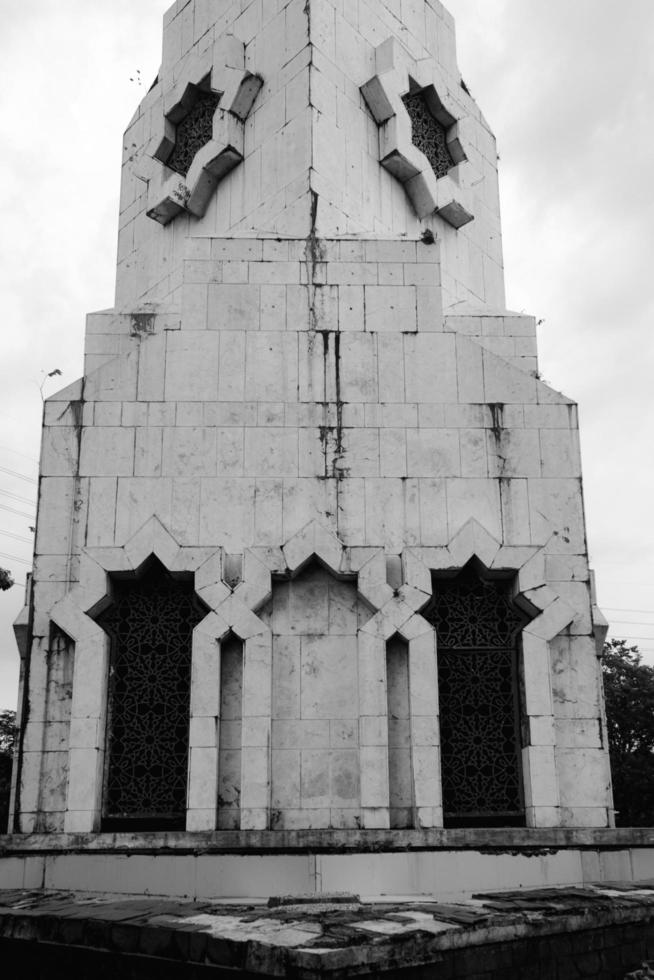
[{"x": 300, "y": 384}]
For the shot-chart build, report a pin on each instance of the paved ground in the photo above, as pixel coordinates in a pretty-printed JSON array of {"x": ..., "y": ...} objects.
[{"x": 305, "y": 938}]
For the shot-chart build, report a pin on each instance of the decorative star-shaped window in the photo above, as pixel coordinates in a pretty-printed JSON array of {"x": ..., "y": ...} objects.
[
  {"x": 193, "y": 130},
  {"x": 428, "y": 133},
  {"x": 419, "y": 136},
  {"x": 201, "y": 135}
]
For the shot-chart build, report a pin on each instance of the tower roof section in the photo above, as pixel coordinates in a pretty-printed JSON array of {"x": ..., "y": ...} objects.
[{"x": 309, "y": 118}]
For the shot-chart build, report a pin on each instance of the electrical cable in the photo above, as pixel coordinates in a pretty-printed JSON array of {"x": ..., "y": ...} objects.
[
  {"x": 17, "y": 537},
  {"x": 8, "y": 449},
  {"x": 21, "y": 513},
  {"x": 21, "y": 476},
  {"x": 23, "y": 561},
  {"x": 648, "y": 612},
  {"x": 16, "y": 496}
]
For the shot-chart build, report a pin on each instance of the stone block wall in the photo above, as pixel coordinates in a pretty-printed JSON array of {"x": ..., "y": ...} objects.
[
  {"x": 310, "y": 144},
  {"x": 311, "y": 399},
  {"x": 302, "y": 387}
]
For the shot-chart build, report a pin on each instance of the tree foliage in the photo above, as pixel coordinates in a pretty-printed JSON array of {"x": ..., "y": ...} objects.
[
  {"x": 7, "y": 739},
  {"x": 6, "y": 580},
  {"x": 629, "y": 692}
]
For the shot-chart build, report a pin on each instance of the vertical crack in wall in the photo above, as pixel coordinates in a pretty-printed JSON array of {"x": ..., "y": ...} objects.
[
  {"x": 330, "y": 432},
  {"x": 331, "y": 429},
  {"x": 498, "y": 432},
  {"x": 75, "y": 545},
  {"x": 340, "y": 472},
  {"x": 326, "y": 428}
]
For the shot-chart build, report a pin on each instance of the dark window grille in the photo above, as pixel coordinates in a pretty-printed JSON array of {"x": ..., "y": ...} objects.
[
  {"x": 478, "y": 630},
  {"x": 150, "y": 622},
  {"x": 193, "y": 132},
  {"x": 428, "y": 134}
]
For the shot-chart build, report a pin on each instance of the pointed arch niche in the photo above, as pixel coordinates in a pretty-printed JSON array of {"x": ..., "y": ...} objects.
[
  {"x": 314, "y": 618},
  {"x": 227, "y": 617},
  {"x": 509, "y": 581},
  {"x": 478, "y": 631},
  {"x": 149, "y": 618},
  {"x": 344, "y": 614}
]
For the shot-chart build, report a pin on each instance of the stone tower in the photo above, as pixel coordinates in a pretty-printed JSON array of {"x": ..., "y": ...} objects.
[{"x": 310, "y": 556}]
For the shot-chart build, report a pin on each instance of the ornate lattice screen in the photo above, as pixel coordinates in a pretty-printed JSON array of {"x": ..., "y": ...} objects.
[
  {"x": 150, "y": 622},
  {"x": 478, "y": 628},
  {"x": 428, "y": 134},
  {"x": 193, "y": 132}
]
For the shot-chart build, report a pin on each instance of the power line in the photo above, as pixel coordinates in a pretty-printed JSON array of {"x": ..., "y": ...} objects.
[
  {"x": 622, "y": 563},
  {"x": 21, "y": 476},
  {"x": 8, "y": 449},
  {"x": 16, "y": 496},
  {"x": 21, "y": 513},
  {"x": 17, "y": 537},
  {"x": 632, "y": 622},
  {"x": 23, "y": 561},
  {"x": 648, "y": 612}
]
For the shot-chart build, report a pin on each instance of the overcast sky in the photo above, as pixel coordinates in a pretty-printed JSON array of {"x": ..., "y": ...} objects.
[{"x": 568, "y": 87}]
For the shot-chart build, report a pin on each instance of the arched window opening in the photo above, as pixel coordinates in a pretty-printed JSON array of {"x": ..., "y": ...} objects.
[
  {"x": 478, "y": 627},
  {"x": 150, "y": 620},
  {"x": 400, "y": 769},
  {"x": 230, "y": 734}
]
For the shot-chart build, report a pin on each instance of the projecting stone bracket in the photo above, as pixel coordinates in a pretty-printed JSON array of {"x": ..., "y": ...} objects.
[
  {"x": 219, "y": 72},
  {"x": 397, "y": 76}
]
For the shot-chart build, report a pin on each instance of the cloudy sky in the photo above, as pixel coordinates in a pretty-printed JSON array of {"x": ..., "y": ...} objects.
[{"x": 567, "y": 85}]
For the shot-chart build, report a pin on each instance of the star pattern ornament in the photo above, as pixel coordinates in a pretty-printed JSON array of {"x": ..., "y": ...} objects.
[
  {"x": 193, "y": 132},
  {"x": 201, "y": 136},
  {"x": 478, "y": 720},
  {"x": 420, "y": 138},
  {"x": 150, "y": 622},
  {"x": 428, "y": 134},
  {"x": 477, "y": 629}
]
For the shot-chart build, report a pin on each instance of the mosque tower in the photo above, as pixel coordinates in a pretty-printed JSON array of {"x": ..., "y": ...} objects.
[{"x": 311, "y": 568}]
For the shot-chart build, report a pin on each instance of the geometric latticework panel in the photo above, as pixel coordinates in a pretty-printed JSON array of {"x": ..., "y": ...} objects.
[
  {"x": 428, "y": 134},
  {"x": 478, "y": 627},
  {"x": 480, "y": 762},
  {"x": 469, "y": 612},
  {"x": 193, "y": 132},
  {"x": 150, "y": 622}
]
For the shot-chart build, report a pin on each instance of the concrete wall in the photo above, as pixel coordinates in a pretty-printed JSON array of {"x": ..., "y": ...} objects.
[
  {"x": 315, "y": 701},
  {"x": 314, "y": 391},
  {"x": 443, "y": 875},
  {"x": 307, "y": 393},
  {"x": 310, "y": 144}
]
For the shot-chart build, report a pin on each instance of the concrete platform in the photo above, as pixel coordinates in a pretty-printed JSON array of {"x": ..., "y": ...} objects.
[
  {"x": 600, "y": 931},
  {"x": 441, "y": 865}
]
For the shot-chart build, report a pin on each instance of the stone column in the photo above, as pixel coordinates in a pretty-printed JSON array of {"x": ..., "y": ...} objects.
[
  {"x": 205, "y": 721},
  {"x": 425, "y": 733},
  {"x": 257, "y": 713},
  {"x": 373, "y": 735}
]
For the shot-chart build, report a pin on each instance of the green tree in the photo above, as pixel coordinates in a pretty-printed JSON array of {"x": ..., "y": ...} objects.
[
  {"x": 6, "y": 580},
  {"x": 629, "y": 692},
  {"x": 7, "y": 739}
]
